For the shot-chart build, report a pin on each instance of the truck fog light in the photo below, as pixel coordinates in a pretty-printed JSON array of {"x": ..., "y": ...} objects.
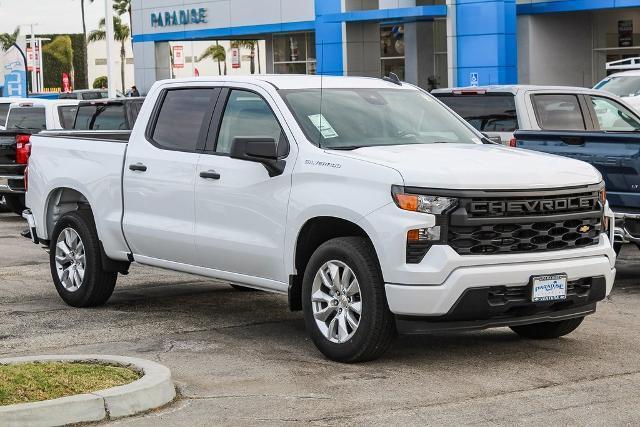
[{"x": 428, "y": 234}]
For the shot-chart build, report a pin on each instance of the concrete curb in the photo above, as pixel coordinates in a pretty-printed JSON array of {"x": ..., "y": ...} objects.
[{"x": 154, "y": 389}]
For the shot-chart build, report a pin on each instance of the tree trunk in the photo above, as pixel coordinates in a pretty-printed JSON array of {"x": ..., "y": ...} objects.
[
  {"x": 219, "y": 69},
  {"x": 258, "y": 52},
  {"x": 225, "y": 67},
  {"x": 85, "y": 63},
  {"x": 253, "y": 62},
  {"x": 123, "y": 60}
]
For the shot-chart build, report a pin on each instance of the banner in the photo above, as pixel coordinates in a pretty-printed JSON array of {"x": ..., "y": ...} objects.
[
  {"x": 30, "y": 59},
  {"x": 66, "y": 84},
  {"x": 196, "y": 73},
  {"x": 178, "y": 57},
  {"x": 13, "y": 73},
  {"x": 235, "y": 57}
]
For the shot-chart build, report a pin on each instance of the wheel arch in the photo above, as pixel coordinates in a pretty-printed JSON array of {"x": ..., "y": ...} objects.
[
  {"x": 59, "y": 201},
  {"x": 314, "y": 232}
]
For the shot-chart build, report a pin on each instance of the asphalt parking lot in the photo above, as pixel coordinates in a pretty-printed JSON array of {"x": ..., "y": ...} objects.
[{"x": 241, "y": 358}]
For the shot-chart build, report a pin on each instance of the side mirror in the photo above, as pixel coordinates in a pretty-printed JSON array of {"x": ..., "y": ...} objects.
[{"x": 258, "y": 149}]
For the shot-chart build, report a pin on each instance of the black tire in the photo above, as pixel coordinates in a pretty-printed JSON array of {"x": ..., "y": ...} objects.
[
  {"x": 548, "y": 330},
  {"x": 376, "y": 328},
  {"x": 242, "y": 288},
  {"x": 97, "y": 284},
  {"x": 15, "y": 203}
]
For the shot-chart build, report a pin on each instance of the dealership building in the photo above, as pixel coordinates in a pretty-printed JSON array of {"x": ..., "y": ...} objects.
[{"x": 432, "y": 43}]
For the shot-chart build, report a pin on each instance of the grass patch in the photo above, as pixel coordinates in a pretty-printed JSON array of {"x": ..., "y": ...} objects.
[{"x": 31, "y": 382}]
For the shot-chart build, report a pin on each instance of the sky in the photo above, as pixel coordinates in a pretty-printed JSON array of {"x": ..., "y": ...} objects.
[{"x": 52, "y": 16}]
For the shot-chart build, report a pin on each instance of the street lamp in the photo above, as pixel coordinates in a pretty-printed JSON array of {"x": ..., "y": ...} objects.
[{"x": 108, "y": 19}]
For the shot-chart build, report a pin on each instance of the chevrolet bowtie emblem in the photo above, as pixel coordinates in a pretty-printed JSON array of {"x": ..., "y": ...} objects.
[{"x": 584, "y": 228}]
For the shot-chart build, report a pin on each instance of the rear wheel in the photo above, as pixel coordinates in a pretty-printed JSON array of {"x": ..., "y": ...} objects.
[
  {"x": 344, "y": 303},
  {"x": 15, "y": 203},
  {"x": 76, "y": 262},
  {"x": 547, "y": 330}
]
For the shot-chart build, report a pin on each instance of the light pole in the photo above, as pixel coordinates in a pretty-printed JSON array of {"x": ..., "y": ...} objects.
[{"x": 108, "y": 19}]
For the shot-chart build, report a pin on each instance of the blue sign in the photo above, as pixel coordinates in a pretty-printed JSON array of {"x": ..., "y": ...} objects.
[
  {"x": 179, "y": 17},
  {"x": 473, "y": 79}
]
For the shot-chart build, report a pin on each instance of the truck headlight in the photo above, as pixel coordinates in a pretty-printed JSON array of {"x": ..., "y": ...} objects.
[{"x": 435, "y": 205}]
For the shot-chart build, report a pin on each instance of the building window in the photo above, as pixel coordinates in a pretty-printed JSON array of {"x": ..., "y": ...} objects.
[
  {"x": 392, "y": 50},
  {"x": 294, "y": 53},
  {"x": 441, "y": 75}
]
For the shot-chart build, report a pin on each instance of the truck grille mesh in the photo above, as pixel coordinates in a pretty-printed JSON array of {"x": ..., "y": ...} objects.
[{"x": 524, "y": 237}]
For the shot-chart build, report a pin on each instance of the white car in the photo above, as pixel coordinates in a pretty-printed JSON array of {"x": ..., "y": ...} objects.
[
  {"x": 42, "y": 114},
  {"x": 367, "y": 202},
  {"x": 625, "y": 84}
]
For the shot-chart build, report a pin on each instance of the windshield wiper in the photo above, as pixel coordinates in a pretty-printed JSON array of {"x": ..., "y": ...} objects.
[{"x": 346, "y": 147}]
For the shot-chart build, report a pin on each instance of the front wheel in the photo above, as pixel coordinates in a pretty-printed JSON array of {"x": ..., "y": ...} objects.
[
  {"x": 344, "y": 303},
  {"x": 76, "y": 262},
  {"x": 547, "y": 330}
]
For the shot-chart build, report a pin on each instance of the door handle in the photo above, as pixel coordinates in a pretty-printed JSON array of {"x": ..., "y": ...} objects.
[
  {"x": 210, "y": 174},
  {"x": 138, "y": 167},
  {"x": 572, "y": 140}
]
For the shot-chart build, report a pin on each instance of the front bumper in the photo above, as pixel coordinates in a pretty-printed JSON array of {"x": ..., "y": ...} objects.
[
  {"x": 627, "y": 227},
  {"x": 11, "y": 184}
]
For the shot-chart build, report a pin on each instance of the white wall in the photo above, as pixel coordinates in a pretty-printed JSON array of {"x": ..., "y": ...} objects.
[{"x": 98, "y": 51}]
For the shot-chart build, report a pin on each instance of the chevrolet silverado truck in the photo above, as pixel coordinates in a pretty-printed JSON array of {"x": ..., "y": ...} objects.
[
  {"x": 24, "y": 118},
  {"x": 590, "y": 125},
  {"x": 369, "y": 203}
]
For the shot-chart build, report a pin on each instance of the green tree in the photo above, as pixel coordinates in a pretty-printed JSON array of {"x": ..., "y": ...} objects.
[
  {"x": 216, "y": 53},
  {"x": 121, "y": 7},
  {"x": 100, "y": 82},
  {"x": 58, "y": 57},
  {"x": 8, "y": 39},
  {"x": 254, "y": 47},
  {"x": 121, "y": 34}
]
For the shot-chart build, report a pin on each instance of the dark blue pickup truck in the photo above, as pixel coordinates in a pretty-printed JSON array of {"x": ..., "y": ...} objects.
[{"x": 585, "y": 124}]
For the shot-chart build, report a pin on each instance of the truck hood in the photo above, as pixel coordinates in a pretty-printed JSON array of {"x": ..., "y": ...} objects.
[{"x": 478, "y": 166}]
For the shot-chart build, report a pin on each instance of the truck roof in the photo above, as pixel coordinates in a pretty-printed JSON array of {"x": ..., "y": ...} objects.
[
  {"x": 298, "y": 81},
  {"x": 514, "y": 89}
]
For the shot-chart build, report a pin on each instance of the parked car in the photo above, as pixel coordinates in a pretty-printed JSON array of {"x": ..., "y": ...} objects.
[
  {"x": 371, "y": 205},
  {"x": 625, "y": 84},
  {"x": 88, "y": 94},
  {"x": 108, "y": 114},
  {"x": 5, "y": 103},
  {"x": 24, "y": 119}
]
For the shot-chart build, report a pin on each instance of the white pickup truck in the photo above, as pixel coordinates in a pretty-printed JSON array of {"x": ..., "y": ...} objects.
[{"x": 372, "y": 205}]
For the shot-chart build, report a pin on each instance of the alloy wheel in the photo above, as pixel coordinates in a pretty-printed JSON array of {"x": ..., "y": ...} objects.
[{"x": 70, "y": 259}]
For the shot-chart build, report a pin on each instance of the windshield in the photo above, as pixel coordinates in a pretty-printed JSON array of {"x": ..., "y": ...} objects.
[
  {"x": 622, "y": 86},
  {"x": 354, "y": 118},
  {"x": 26, "y": 118},
  {"x": 487, "y": 113}
]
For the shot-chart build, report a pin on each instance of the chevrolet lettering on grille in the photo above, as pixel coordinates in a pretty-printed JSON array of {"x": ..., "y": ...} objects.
[{"x": 516, "y": 207}]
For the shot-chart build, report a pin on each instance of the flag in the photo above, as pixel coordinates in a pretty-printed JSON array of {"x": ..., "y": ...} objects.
[{"x": 13, "y": 75}]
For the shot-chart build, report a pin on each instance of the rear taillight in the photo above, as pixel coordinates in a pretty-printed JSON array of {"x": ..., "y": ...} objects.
[
  {"x": 512, "y": 142},
  {"x": 23, "y": 149}
]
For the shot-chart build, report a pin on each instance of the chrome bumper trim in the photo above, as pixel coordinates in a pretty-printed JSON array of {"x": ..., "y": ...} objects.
[
  {"x": 26, "y": 214},
  {"x": 622, "y": 235},
  {"x": 6, "y": 188}
]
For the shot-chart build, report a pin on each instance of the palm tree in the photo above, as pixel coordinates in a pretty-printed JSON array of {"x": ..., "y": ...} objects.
[
  {"x": 216, "y": 53},
  {"x": 9, "y": 39},
  {"x": 121, "y": 7},
  {"x": 121, "y": 34},
  {"x": 252, "y": 45}
]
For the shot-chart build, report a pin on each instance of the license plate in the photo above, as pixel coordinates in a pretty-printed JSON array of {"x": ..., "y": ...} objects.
[{"x": 549, "y": 288}]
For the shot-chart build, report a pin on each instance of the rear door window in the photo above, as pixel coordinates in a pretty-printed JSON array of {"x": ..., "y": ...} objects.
[
  {"x": 558, "y": 112},
  {"x": 182, "y": 116},
  {"x": 27, "y": 118},
  {"x": 487, "y": 113},
  {"x": 67, "y": 115},
  {"x": 101, "y": 117}
]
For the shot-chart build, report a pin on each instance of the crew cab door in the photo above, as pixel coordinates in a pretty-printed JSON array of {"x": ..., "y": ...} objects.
[
  {"x": 159, "y": 175},
  {"x": 596, "y": 129},
  {"x": 241, "y": 210}
]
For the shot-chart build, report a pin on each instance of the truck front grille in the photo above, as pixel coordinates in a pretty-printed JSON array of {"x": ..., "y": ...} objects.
[{"x": 524, "y": 237}]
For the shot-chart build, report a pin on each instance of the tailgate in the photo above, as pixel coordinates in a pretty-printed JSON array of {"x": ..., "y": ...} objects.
[
  {"x": 7, "y": 148},
  {"x": 615, "y": 154}
]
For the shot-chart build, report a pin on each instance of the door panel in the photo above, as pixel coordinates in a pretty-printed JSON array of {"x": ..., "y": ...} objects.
[
  {"x": 615, "y": 155},
  {"x": 159, "y": 176},
  {"x": 240, "y": 210}
]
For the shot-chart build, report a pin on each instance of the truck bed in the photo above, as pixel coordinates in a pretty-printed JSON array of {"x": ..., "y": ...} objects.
[{"x": 88, "y": 163}]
